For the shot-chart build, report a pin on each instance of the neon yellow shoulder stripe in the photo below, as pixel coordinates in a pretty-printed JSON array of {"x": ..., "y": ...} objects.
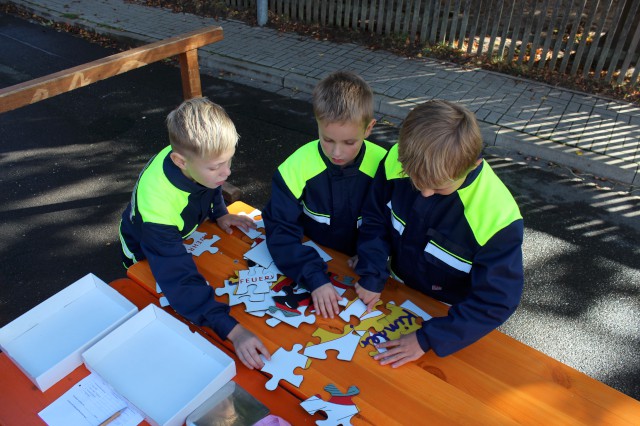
[
  {"x": 392, "y": 166},
  {"x": 488, "y": 205},
  {"x": 373, "y": 154},
  {"x": 301, "y": 166},
  {"x": 159, "y": 201}
]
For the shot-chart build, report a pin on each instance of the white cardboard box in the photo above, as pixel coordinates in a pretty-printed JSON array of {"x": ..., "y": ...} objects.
[
  {"x": 160, "y": 366},
  {"x": 46, "y": 342}
]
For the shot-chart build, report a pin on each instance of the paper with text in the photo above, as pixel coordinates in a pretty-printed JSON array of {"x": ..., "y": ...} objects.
[{"x": 89, "y": 402}]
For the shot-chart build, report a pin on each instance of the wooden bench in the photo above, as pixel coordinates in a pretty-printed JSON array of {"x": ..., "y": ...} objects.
[{"x": 185, "y": 46}]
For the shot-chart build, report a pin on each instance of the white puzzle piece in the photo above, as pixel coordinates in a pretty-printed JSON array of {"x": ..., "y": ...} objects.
[
  {"x": 229, "y": 289},
  {"x": 253, "y": 233},
  {"x": 323, "y": 254},
  {"x": 201, "y": 244},
  {"x": 345, "y": 345},
  {"x": 282, "y": 364},
  {"x": 339, "y": 408},
  {"x": 260, "y": 255}
]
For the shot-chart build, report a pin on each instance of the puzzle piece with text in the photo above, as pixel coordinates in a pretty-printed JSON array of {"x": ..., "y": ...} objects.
[
  {"x": 282, "y": 364},
  {"x": 400, "y": 321},
  {"x": 201, "y": 244}
]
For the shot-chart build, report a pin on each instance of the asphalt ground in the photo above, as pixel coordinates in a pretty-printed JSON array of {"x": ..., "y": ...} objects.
[{"x": 68, "y": 164}]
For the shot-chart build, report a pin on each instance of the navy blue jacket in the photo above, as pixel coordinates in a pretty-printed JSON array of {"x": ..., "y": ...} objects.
[
  {"x": 165, "y": 208},
  {"x": 464, "y": 249},
  {"x": 311, "y": 196}
]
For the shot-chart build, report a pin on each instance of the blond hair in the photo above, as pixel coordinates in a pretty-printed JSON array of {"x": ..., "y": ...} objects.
[
  {"x": 439, "y": 141},
  {"x": 342, "y": 97},
  {"x": 201, "y": 127}
]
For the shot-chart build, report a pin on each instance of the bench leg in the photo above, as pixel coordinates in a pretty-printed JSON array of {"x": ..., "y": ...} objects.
[{"x": 190, "y": 72}]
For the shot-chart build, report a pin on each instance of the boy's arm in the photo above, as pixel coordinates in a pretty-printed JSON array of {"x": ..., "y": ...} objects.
[
  {"x": 284, "y": 238},
  {"x": 373, "y": 235},
  {"x": 497, "y": 278},
  {"x": 180, "y": 281}
]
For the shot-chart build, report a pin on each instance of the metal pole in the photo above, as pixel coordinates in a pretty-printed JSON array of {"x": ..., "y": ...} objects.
[{"x": 262, "y": 6}]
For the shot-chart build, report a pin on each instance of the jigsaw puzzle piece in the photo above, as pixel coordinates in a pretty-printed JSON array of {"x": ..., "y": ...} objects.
[
  {"x": 253, "y": 233},
  {"x": 294, "y": 321},
  {"x": 401, "y": 320},
  {"x": 229, "y": 290},
  {"x": 357, "y": 308},
  {"x": 339, "y": 408},
  {"x": 201, "y": 244},
  {"x": 282, "y": 364},
  {"x": 345, "y": 344}
]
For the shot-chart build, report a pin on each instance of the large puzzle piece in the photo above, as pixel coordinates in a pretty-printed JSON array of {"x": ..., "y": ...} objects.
[
  {"x": 345, "y": 343},
  {"x": 282, "y": 364},
  {"x": 339, "y": 408},
  {"x": 401, "y": 320},
  {"x": 201, "y": 244},
  {"x": 358, "y": 309},
  {"x": 229, "y": 289}
]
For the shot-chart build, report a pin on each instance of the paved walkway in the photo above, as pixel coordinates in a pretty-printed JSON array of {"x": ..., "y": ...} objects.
[{"x": 592, "y": 134}]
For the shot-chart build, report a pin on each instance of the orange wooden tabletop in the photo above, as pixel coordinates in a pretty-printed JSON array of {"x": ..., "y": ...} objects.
[{"x": 497, "y": 380}]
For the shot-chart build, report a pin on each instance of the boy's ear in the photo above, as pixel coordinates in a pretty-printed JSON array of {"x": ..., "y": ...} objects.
[
  {"x": 179, "y": 160},
  {"x": 369, "y": 128}
]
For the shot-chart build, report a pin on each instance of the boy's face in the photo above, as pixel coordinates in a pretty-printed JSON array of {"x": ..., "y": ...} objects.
[
  {"x": 210, "y": 172},
  {"x": 341, "y": 142}
]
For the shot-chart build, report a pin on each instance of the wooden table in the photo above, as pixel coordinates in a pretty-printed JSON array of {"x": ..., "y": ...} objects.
[
  {"x": 21, "y": 400},
  {"x": 497, "y": 380}
]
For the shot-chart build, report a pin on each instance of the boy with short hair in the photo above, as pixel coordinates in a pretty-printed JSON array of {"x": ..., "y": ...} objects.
[
  {"x": 319, "y": 190},
  {"x": 451, "y": 227},
  {"x": 176, "y": 191}
]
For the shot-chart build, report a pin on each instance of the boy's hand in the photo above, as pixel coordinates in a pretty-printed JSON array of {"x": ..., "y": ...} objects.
[
  {"x": 353, "y": 261},
  {"x": 400, "y": 351},
  {"x": 369, "y": 298},
  {"x": 248, "y": 347},
  {"x": 225, "y": 222},
  {"x": 325, "y": 299}
]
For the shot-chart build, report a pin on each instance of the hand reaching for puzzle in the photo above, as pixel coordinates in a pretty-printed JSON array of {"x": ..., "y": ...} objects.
[
  {"x": 248, "y": 347},
  {"x": 243, "y": 222},
  {"x": 369, "y": 298},
  {"x": 325, "y": 300},
  {"x": 400, "y": 351}
]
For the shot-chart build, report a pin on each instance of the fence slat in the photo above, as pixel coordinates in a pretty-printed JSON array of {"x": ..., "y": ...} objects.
[
  {"x": 406, "y": 16},
  {"x": 474, "y": 28},
  {"x": 454, "y": 23},
  {"x": 505, "y": 32},
  {"x": 550, "y": 32},
  {"x": 630, "y": 53},
  {"x": 526, "y": 34},
  {"x": 604, "y": 54},
  {"x": 562, "y": 31},
  {"x": 583, "y": 41},
  {"x": 538, "y": 31},
  {"x": 596, "y": 40},
  {"x": 444, "y": 21},
  {"x": 434, "y": 22},
  {"x": 465, "y": 20},
  {"x": 494, "y": 28},
  {"x": 415, "y": 20},
  {"x": 424, "y": 28},
  {"x": 485, "y": 25}
]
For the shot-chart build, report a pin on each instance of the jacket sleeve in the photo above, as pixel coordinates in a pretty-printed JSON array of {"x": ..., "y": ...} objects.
[
  {"x": 177, "y": 275},
  {"x": 374, "y": 235},
  {"x": 218, "y": 206},
  {"x": 284, "y": 233},
  {"x": 497, "y": 279}
]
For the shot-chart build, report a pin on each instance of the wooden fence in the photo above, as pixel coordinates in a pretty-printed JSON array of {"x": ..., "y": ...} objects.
[{"x": 592, "y": 38}]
